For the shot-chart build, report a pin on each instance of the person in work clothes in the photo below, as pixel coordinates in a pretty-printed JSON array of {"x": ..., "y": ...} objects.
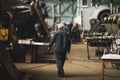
[
  {"x": 74, "y": 33},
  {"x": 60, "y": 41}
]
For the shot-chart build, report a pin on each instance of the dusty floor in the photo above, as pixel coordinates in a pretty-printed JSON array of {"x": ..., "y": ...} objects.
[{"x": 77, "y": 66}]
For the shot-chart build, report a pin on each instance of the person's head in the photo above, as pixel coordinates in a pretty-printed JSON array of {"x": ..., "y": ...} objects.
[
  {"x": 76, "y": 24},
  {"x": 65, "y": 28},
  {"x": 60, "y": 26},
  {"x": 70, "y": 22},
  {"x": 36, "y": 0}
]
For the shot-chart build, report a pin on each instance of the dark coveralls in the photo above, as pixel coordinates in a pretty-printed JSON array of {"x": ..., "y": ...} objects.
[
  {"x": 60, "y": 41},
  {"x": 74, "y": 33}
]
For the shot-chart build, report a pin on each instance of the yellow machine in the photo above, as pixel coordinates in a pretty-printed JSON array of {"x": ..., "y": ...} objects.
[
  {"x": 7, "y": 37},
  {"x": 3, "y": 34}
]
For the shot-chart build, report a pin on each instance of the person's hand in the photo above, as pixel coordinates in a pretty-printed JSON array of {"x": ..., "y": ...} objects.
[
  {"x": 68, "y": 52},
  {"x": 49, "y": 49}
]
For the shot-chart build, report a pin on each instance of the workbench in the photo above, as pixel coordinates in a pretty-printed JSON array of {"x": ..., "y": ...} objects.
[
  {"x": 31, "y": 49},
  {"x": 98, "y": 42},
  {"x": 113, "y": 58}
]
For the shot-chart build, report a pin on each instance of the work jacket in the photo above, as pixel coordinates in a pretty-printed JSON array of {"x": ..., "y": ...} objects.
[{"x": 60, "y": 40}]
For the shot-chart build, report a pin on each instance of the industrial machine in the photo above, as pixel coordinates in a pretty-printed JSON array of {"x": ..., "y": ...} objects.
[
  {"x": 24, "y": 19},
  {"x": 112, "y": 23},
  {"x": 104, "y": 34},
  {"x": 19, "y": 21}
]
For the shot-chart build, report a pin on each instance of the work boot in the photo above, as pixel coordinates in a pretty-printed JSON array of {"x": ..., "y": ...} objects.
[{"x": 61, "y": 74}]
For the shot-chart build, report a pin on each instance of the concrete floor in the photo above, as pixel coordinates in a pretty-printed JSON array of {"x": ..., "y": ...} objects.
[{"x": 77, "y": 67}]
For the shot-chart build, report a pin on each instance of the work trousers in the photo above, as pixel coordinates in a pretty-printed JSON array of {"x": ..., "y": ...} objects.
[
  {"x": 60, "y": 60},
  {"x": 74, "y": 37}
]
